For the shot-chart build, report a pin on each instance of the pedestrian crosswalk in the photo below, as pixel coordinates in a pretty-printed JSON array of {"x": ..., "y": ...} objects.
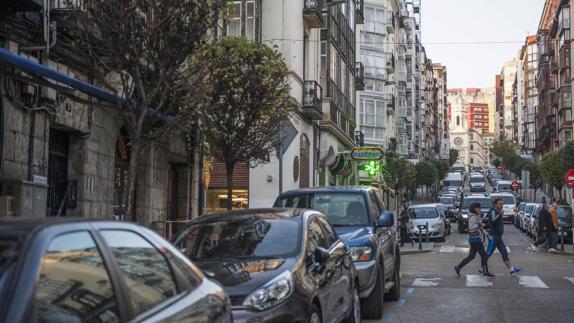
[
  {"x": 481, "y": 281},
  {"x": 456, "y": 249}
]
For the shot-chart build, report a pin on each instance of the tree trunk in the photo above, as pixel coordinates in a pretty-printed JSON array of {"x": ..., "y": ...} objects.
[
  {"x": 229, "y": 170},
  {"x": 132, "y": 177}
]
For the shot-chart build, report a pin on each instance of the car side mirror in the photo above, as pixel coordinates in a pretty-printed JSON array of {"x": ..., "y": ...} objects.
[{"x": 386, "y": 220}]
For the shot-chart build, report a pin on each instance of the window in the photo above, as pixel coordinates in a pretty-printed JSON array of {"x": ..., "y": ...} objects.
[
  {"x": 328, "y": 231},
  {"x": 250, "y": 21},
  {"x": 241, "y": 20},
  {"x": 145, "y": 270},
  {"x": 74, "y": 284},
  {"x": 234, "y": 20},
  {"x": 457, "y": 120},
  {"x": 374, "y": 205}
]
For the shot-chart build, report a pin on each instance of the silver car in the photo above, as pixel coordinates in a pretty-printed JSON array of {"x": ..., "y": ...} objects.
[
  {"x": 477, "y": 183},
  {"x": 423, "y": 214}
]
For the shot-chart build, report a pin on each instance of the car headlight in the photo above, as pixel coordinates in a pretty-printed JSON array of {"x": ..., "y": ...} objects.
[
  {"x": 271, "y": 294},
  {"x": 464, "y": 216},
  {"x": 361, "y": 253},
  {"x": 436, "y": 226}
]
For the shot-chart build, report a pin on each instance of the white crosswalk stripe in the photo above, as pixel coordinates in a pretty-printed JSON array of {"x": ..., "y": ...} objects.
[
  {"x": 481, "y": 281},
  {"x": 570, "y": 279}
]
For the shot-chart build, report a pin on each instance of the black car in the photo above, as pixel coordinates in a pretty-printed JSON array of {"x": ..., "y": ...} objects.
[
  {"x": 565, "y": 220},
  {"x": 277, "y": 265},
  {"x": 359, "y": 217},
  {"x": 485, "y": 206},
  {"x": 88, "y": 271}
]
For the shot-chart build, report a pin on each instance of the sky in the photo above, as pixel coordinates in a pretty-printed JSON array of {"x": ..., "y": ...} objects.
[{"x": 456, "y": 21}]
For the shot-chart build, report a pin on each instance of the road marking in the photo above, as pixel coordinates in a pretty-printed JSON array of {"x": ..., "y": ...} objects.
[
  {"x": 401, "y": 302},
  {"x": 389, "y": 317},
  {"x": 477, "y": 281},
  {"x": 531, "y": 282},
  {"x": 426, "y": 282},
  {"x": 571, "y": 279},
  {"x": 447, "y": 249},
  {"x": 410, "y": 290}
]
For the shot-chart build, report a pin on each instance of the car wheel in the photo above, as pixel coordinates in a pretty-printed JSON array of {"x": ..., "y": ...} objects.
[
  {"x": 373, "y": 305},
  {"x": 315, "y": 316},
  {"x": 395, "y": 293},
  {"x": 355, "y": 315}
]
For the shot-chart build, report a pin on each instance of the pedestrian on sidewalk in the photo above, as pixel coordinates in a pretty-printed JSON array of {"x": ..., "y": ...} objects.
[
  {"x": 475, "y": 241},
  {"x": 544, "y": 227},
  {"x": 496, "y": 227},
  {"x": 404, "y": 221},
  {"x": 553, "y": 239}
]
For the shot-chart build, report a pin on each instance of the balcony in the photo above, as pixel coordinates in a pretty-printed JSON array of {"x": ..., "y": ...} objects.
[
  {"x": 312, "y": 100},
  {"x": 390, "y": 63},
  {"x": 390, "y": 22},
  {"x": 359, "y": 77},
  {"x": 391, "y": 102},
  {"x": 360, "y": 12},
  {"x": 312, "y": 13}
]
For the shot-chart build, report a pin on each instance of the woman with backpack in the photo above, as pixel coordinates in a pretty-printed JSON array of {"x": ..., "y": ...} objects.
[{"x": 475, "y": 241}]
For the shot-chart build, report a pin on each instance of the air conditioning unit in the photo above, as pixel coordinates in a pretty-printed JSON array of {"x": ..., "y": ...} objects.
[{"x": 7, "y": 206}]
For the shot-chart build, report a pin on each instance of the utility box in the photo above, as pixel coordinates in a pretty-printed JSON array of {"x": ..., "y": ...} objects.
[{"x": 29, "y": 197}]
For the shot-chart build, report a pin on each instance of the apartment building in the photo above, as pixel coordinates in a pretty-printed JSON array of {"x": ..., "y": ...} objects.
[
  {"x": 529, "y": 58},
  {"x": 507, "y": 78},
  {"x": 440, "y": 75}
]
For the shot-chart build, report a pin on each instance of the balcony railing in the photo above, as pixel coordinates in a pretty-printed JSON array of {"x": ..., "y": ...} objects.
[
  {"x": 359, "y": 77},
  {"x": 312, "y": 100},
  {"x": 360, "y": 12},
  {"x": 312, "y": 13}
]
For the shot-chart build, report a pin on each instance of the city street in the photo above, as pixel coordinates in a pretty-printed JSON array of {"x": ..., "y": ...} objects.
[{"x": 431, "y": 291}]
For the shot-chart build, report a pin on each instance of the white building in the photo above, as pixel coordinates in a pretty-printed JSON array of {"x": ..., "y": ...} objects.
[{"x": 470, "y": 144}]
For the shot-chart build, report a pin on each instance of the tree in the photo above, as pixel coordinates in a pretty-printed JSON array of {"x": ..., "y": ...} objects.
[
  {"x": 426, "y": 174},
  {"x": 137, "y": 50},
  {"x": 535, "y": 175},
  {"x": 514, "y": 163},
  {"x": 247, "y": 99},
  {"x": 553, "y": 170},
  {"x": 452, "y": 156},
  {"x": 566, "y": 154},
  {"x": 398, "y": 173}
]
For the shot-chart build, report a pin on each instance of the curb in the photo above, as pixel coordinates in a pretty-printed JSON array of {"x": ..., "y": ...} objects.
[
  {"x": 414, "y": 252},
  {"x": 561, "y": 253}
]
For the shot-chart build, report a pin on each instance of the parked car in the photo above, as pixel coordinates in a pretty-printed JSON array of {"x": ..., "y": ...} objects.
[
  {"x": 449, "y": 202},
  {"x": 477, "y": 169},
  {"x": 509, "y": 208},
  {"x": 73, "y": 270},
  {"x": 503, "y": 186},
  {"x": 524, "y": 217},
  {"x": 495, "y": 178},
  {"x": 477, "y": 183},
  {"x": 565, "y": 219},
  {"x": 532, "y": 222},
  {"x": 485, "y": 205},
  {"x": 359, "y": 218},
  {"x": 423, "y": 214},
  {"x": 519, "y": 212},
  {"x": 445, "y": 216},
  {"x": 458, "y": 168},
  {"x": 277, "y": 265}
]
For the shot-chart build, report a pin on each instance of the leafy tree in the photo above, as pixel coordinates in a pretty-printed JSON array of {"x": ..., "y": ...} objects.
[
  {"x": 552, "y": 169},
  {"x": 566, "y": 154},
  {"x": 502, "y": 148},
  {"x": 535, "y": 175},
  {"x": 452, "y": 156},
  {"x": 248, "y": 97},
  {"x": 514, "y": 163},
  {"x": 398, "y": 173},
  {"x": 426, "y": 173},
  {"x": 137, "y": 50}
]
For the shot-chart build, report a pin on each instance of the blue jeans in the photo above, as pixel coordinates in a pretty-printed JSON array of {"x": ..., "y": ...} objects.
[
  {"x": 497, "y": 243},
  {"x": 553, "y": 240}
]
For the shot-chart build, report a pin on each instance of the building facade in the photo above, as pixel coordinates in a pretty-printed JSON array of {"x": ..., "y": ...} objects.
[{"x": 529, "y": 58}]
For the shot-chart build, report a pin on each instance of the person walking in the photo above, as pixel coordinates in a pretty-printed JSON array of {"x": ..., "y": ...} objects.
[
  {"x": 496, "y": 227},
  {"x": 544, "y": 227},
  {"x": 554, "y": 227},
  {"x": 475, "y": 241},
  {"x": 404, "y": 221}
]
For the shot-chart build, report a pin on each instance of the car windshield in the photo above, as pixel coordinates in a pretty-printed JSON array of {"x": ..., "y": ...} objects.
[
  {"x": 446, "y": 200},
  {"x": 477, "y": 179},
  {"x": 528, "y": 209},
  {"x": 564, "y": 212},
  {"x": 485, "y": 203},
  {"x": 341, "y": 209},
  {"x": 506, "y": 199},
  {"x": 504, "y": 187},
  {"x": 423, "y": 213},
  {"x": 245, "y": 236},
  {"x": 453, "y": 183},
  {"x": 496, "y": 176}
]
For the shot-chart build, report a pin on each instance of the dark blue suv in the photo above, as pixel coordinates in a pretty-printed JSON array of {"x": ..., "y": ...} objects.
[{"x": 359, "y": 217}]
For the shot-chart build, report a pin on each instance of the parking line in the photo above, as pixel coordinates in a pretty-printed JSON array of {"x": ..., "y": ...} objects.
[
  {"x": 410, "y": 290},
  {"x": 426, "y": 282}
]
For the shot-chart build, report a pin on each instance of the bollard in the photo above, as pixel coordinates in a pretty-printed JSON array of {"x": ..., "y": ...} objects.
[
  {"x": 420, "y": 237},
  {"x": 562, "y": 240},
  {"x": 427, "y": 231}
]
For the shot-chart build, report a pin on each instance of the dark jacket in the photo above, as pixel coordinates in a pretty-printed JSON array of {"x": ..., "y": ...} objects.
[
  {"x": 495, "y": 224},
  {"x": 545, "y": 221}
]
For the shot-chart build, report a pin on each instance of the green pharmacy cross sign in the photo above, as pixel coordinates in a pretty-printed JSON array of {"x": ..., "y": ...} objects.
[{"x": 372, "y": 168}]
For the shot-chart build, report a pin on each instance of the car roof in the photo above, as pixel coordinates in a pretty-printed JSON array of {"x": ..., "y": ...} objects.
[
  {"x": 504, "y": 182},
  {"x": 331, "y": 189},
  {"x": 477, "y": 175},
  {"x": 502, "y": 194},
  {"x": 26, "y": 225},
  {"x": 268, "y": 213},
  {"x": 416, "y": 206}
]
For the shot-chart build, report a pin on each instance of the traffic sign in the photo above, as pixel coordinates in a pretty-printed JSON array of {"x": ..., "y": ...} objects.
[
  {"x": 367, "y": 154},
  {"x": 569, "y": 178},
  {"x": 515, "y": 186}
]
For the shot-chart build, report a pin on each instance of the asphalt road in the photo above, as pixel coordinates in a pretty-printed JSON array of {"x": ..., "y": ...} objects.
[{"x": 431, "y": 291}]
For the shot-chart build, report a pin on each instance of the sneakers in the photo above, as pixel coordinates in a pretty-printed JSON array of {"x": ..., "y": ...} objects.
[
  {"x": 457, "y": 270},
  {"x": 489, "y": 275},
  {"x": 532, "y": 247},
  {"x": 552, "y": 250},
  {"x": 481, "y": 271},
  {"x": 515, "y": 270}
]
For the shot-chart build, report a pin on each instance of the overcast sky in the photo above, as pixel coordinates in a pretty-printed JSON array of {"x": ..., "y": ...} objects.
[{"x": 455, "y": 21}]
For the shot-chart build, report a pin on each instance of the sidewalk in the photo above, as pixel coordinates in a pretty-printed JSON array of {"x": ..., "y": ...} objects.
[{"x": 409, "y": 249}]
